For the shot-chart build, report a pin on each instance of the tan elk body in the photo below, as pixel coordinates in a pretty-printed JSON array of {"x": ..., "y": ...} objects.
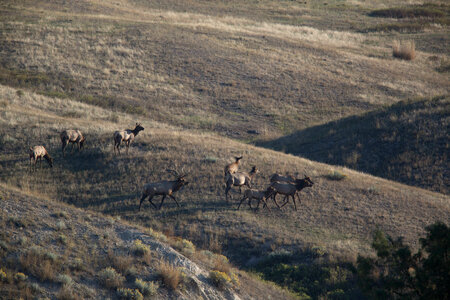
[
  {"x": 289, "y": 189},
  {"x": 72, "y": 136},
  {"x": 162, "y": 188},
  {"x": 233, "y": 167},
  {"x": 261, "y": 196},
  {"x": 37, "y": 153},
  {"x": 240, "y": 179},
  {"x": 127, "y": 136}
]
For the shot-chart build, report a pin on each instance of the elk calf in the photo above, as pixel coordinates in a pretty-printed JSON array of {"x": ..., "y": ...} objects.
[
  {"x": 36, "y": 153},
  {"x": 289, "y": 189},
  {"x": 72, "y": 136},
  {"x": 239, "y": 179},
  {"x": 127, "y": 136},
  {"x": 261, "y": 196},
  {"x": 233, "y": 167},
  {"x": 162, "y": 188}
]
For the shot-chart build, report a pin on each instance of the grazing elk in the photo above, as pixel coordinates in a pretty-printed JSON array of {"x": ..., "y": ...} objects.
[
  {"x": 162, "y": 188},
  {"x": 290, "y": 189},
  {"x": 261, "y": 196},
  {"x": 239, "y": 179},
  {"x": 72, "y": 136},
  {"x": 126, "y": 136},
  {"x": 36, "y": 153},
  {"x": 233, "y": 167}
]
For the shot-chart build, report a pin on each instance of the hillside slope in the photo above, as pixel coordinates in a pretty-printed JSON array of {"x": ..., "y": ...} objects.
[
  {"x": 406, "y": 142},
  {"x": 338, "y": 216},
  {"x": 64, "y": 251},
  {"x": 238, "y": 68}
]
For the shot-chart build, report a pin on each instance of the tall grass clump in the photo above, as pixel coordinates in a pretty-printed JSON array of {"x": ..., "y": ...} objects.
[
  {"x": 406, "y": 50},
  {"x": 170, "y": 275},
  {"x": 146, "y": 288}
]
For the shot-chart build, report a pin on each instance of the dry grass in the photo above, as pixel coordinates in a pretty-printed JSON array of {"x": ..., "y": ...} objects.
[
  {"x": 171, "y": 275},
  {"x": 404, "y": 50}
]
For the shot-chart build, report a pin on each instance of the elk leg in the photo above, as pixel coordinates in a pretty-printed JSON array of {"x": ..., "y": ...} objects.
[
  {"x": 265, "y": 204},
  {"x": 274, "y": 197},
  {"x": 162, "y": 200},
  {"x": 227, "y": 189},
  {"x": 171, "y": 196},
  {"x": 293, "y": 199},
  {"x": 64, "y": 144},
  {"x": 150, "y": 200},
  {"x": 142, "y": 200},
  {"x": 241, "y": 202},
  {"x": 286, "y": 200}
]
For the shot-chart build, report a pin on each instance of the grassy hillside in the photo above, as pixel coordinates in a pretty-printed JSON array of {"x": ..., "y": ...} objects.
[
  {"x": 406, "y": 142},
  {"x": 233, "y": 67},
  {"x": 338, "y": 216},
  {"x": 52, "y": 250}
]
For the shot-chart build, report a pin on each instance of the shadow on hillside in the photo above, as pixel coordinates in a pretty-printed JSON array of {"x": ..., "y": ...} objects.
[{"x": 405, "y": 142}]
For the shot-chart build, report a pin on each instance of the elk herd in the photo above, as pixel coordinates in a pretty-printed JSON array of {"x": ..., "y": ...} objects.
[{"x": 279, "y": 184}]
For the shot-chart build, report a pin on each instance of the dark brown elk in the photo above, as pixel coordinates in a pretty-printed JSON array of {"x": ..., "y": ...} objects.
[
  {"x": 162, "y": 188},
  {"x": 233, "y": 167},
  {"x": 290, "y": 189},
  {"x": 261, "y": 196},
  {"x": 127, "y": 136},
  {"x": 239, "y": 179},
  {"x": 73, "y": 137},
  {"x": 37, "y": 153}
]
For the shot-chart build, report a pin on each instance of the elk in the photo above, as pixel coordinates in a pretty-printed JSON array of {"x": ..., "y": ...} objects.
[
  {"x": 233, "y": 167},
  {"x": 162, "y": 188},
  {"x": 72, "y": 136},
  {"x": 36, "y": 153},
  {"x": 239, "y": 179},
  {"x": 280, "y": 178},
  {"x": 261, "y": 196},
  {"x": 290, "y": 189},
  {"x": 126, "y": 136}
]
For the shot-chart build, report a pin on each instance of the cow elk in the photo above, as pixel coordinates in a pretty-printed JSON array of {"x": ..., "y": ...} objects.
[
  {"x": 239, "y": 179},
  {"x": 290, "y": 189},
  {"x": 233, "y": 167},
  {"x": 127, "y": 136},
  {"x": 73, "y": 137},
  {"x": 162, "y": 188},
  {"x": 37, "y": 153}
]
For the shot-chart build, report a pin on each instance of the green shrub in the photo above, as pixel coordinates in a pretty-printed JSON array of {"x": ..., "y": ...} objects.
[
  {"x": 110, "y": 278},
  {"x": 3, "y": 276},
  {"x": 336, "y": 175},
  {"x": 220, "y": 279},
  {"x": 140, "y": 249},
  {"x": 146, "y": 288},
  {"x": 19, "y": 277},
  {"x": 129, "y": 294}
]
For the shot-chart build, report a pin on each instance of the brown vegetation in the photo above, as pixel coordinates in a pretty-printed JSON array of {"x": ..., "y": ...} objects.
[{"x": 404, "y": 50}]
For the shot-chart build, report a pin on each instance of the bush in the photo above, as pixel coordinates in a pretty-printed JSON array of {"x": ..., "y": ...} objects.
[
  {"x": 3, "y": 276},
  {"x": 170, "y": 275},
  {"x": 110, "y": 278},
  {"x": 129, "y": 294},
  {"x": 406, "y": 51},
  {"x": 407, "y": 12},
  {"x": 140, "y": 249},
  {"x": 397, "y": 273},
  {"x": 19, "y": 277},
  {"x": 146, "y": 288},
  {"x": 336, "y": 175},
  {"x": 220, "y": 279}
]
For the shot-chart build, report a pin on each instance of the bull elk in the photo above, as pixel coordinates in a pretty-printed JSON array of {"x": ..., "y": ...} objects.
[
  {"x": 162, "y": 188},
  {"x": 127, "y": 136},
  {"x": 73, "y": 137}
]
